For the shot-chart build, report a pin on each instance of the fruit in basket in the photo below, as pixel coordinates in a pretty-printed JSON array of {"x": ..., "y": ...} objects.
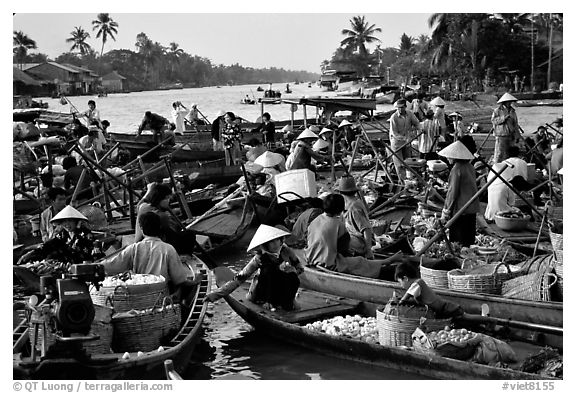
[
  {"x": 450, "y": 336},
  {"x": 355, "y": 327}
]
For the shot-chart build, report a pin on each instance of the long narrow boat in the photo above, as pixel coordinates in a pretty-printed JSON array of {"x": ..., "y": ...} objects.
[
  {"x": 314, "y": 306},
  {"x": 380, "y": 291},
  {"x": 150, "y": 365},
  {"x": 225, "y": 225}
]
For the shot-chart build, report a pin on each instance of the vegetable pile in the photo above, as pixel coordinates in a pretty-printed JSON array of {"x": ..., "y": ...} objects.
[
  {"x": 49, "y": 267},
  {"x": 450, "y": 336},
  {"x": 132, "y": 279},
  {"x": 355, "y": 327}
]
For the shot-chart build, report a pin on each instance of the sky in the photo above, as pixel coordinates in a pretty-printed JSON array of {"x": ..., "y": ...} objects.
[{"x": 296, "y": 41}]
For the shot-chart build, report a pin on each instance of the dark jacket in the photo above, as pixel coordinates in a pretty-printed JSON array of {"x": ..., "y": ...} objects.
[{"x": 216, "y": 128}]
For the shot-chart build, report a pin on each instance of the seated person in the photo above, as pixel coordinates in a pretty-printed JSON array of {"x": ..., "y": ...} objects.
[
  {"x": 57, "y": 198},
  {"x": 256, "y": 150},
  {"x": 299, "y": 235},
  {"x": 329, "y": 243},
  {"x": 77, "y": 129},
  {"x": 277, "y": 281},
  {"x": 151, "y": 256},
  {"x": 416, "y": 289},
  {"x": 71, "y": 242},
  {"x": 356, "y": 220},
  {"x": 92, "y": 143},
  {"x": 556, "y": 157}
]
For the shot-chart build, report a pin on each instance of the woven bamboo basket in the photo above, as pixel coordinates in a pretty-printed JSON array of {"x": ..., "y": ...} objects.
[
  {"x": 532, "y": 286},
  {"x": 434, "y": 278},
  {"x": 395, "y": 330},
  {"x": 131, "y": 297},
  {"x": 559, "y": 270},
  {"x": 145, "y": 330},
  {"x": 482, "y": 279},
  {"x": 557, "y": 245}
]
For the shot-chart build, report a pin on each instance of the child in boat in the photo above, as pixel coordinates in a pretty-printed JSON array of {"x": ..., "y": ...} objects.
[
  {"x": 416, "y": 289},
  {"x": 277, "y": 283}
]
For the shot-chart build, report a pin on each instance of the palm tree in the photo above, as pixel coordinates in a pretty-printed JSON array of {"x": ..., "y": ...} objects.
[
  {"x": 106, "y": 28},
  {"x": 406, "y": 43},
  {"x": 78, "y": 37},
  {"x": 174, "y": 55},
  {"x": 21, "y": 43},
  {"x": 360, "y": 34}
]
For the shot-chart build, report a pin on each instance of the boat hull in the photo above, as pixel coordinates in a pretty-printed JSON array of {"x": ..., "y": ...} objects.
[
  {"x": 112, "y": 366},
  {"x": 281, "y": 325},
  {"x": 379, "y": 291}
]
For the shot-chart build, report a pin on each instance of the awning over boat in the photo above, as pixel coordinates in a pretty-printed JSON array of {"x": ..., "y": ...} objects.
[{"x": 335, "y": 104}]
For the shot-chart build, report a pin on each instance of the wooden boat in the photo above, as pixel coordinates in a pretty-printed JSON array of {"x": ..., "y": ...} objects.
[
  {"x": 225, "y": 224},
  {"x": 380, "y": 291},
  {"x": 113, "y": 366},
  {"x": 385, "y": 98},
  {"x": 314, "y": 306},
  {"x": 552, "y": 95},
  {"x": 539, "y": 103},
  {"x": 202, "y": 173}
]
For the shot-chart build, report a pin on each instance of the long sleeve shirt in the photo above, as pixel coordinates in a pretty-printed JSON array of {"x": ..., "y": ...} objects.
[
  {"x": 286, "y": 255},
  {"x": 46, "y": 227},
  {"x": 178, "y": 115},
  {"x": 149, "y": 256},
  {"x": 461, "y": 187},
  {"x": 401, "y": 126},
  {"x": 505, "y": 122}
]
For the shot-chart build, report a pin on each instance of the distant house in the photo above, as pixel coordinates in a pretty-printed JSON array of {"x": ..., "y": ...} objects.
[
  {"x": 89, "y": 79},
  {"x": 24, "y": 84},
  {"x": 114, "y": 82}
]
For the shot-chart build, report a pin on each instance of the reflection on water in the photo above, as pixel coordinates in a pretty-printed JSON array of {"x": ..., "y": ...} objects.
[{"x": 232, "y": 349}]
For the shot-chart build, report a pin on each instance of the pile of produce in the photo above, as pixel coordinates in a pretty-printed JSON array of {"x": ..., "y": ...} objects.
[
  {"x": 548, "y": 363},
  {"x": 450, "y": 336},
  {"x": 130, "y": 278},
  {"x": 424, "y": 226},
  {"x": 48, "y": 267},
  {"x": 487, "y": 241},
  {"x": 356, "y": 327},
  {"x": 439, "y": 250},
  {"x": 511, "y": 214}
]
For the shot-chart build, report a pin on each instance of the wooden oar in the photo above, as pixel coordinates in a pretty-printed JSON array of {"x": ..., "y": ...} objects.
[{"x": 556, "y": 330}]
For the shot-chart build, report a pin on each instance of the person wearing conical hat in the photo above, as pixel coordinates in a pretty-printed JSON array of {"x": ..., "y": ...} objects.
[
  {"x": 321, "y": 146},
  {"x": 403, "y": 124},
  {"x": 356, "y": 219},
  {"x": 439, "y": 115},
  {"x": 301, "y": 157},
  {"x": 456, "y": 127},
  {"x": 256, "y": 149},
  {"x": 505, "y": 124},
  {"x": 277, "y": 282},
  {"x": 71, "y": 240},
  {"x": 57, "y": 197},
  {"x": 349, "y": 133},
  {"x": 461, "y": 187}
]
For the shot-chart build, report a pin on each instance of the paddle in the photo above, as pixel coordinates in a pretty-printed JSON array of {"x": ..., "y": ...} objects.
[{"x": 556, "y": 330}]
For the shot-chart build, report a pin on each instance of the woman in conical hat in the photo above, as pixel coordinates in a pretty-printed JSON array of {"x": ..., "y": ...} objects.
[
  {"x": 439, "y": 115},
  {"x": 506, "y": 129},
  {"x": 461, "y": 187},
  {"x": 277, "y": 282},
  {"x": 71, "y": 241},
  {"x": 301, "y": 156}
]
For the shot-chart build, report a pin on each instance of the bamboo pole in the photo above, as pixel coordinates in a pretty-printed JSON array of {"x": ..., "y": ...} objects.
[
  {"x": 354, "y": 154},
  {"x": 332, "y": 169},
  {"x": 148, "y": 152},
  {"x": 514, "y": 190},
  {"x": 131, "y": 209},
  {"x": 143, "y": 169},
  {"x": 77, "y": 188},
  {"x": 458, "y": 214},
  {"x": 216, "y": 206},
  {"x": 105, "y": 156},
  {"x": 181, "y": 197},
  {"x": 376, "y": 153}
]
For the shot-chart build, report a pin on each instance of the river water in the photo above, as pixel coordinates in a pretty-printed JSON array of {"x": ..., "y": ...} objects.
[{"x": 230, "y": 348}]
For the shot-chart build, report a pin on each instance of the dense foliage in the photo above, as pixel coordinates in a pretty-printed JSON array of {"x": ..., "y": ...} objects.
[{"x": 461, "y": 45}]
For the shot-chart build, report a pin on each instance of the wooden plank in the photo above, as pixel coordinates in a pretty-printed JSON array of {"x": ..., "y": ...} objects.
[
  {"x": 221, "y": 225},
  {"x": 320, "y": 313}
]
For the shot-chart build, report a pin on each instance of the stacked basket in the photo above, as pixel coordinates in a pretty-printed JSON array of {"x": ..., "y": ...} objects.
[
  {"x": 396, "y": 324},
  {"x": 482, "y": 279},
  {"x": 434, "y": 278}
]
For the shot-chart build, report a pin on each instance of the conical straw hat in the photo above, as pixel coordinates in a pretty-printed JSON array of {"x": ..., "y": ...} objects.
[
  {"x": 320, "y": 144},
  {"x": 347, "y": 183},
  {"x": 307, "y": 134},
  {"x": 457, "y": 151},
  {"x": 287, "y": 128},
  {"x": 268, "y": 159},
  {"x": 325, "y": 130},
  {"x": 67, "y": 213},
  {"x": 314, "y": 129},
  {"x": 264, "y": 234},
  {"x": 253, "y": 168},
  {"x": 507, "y": 97},
  {"x": 220, "y": 113},
  {"x": 345, "y": 123},
  {"x": 437, "y": 101},
  {"x": 455, "y": 114}
]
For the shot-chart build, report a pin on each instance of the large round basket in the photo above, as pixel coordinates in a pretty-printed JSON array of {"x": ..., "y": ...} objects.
[
  {"x": 481, "y": 279},
  {"x": 557, "y": 245},
  {"x": 434, "y": 278},
  {"x": 145, "y": 330},
  {"x": 532, "y": 286},
  {"x": 395, "y": 330},
  {"x": 511, "y": 224},
  {"x": 131, "y": 297},
  {"x": 559, "y": 270}
]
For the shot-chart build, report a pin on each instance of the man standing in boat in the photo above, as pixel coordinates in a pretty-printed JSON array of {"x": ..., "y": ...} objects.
[
  {"x": 268, "y": 130},
  {"x": 402, "y": 124},
  {"x": 155, "y": 123},
  {"x": 506, "y": 128}
]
